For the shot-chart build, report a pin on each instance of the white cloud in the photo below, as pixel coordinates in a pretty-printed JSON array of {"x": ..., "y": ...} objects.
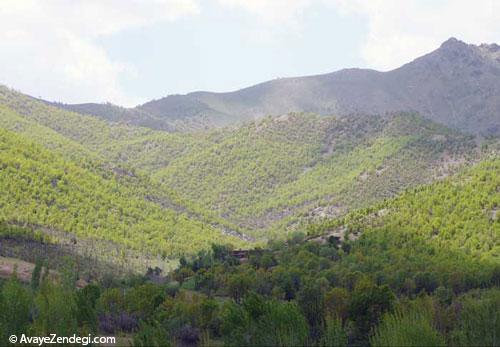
[
  {"x": 274, "y": 18},
  {"x": 398, "y": 31},
  {"x": 272, "y": 12},
  {"x": 50, "y": 47}
]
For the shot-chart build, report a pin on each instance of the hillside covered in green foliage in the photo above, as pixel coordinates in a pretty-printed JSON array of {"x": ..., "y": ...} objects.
[
  {"x": 458, "y": 213},
  {"x": 419, "y": 269},
  {"x": 41, "y": 188},
  {"x": 266, "y": 177},
  {"x": 261, "y": 179}
]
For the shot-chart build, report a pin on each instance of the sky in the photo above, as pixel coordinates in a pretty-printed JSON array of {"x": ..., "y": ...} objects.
[{"x": 130, "y": 51}]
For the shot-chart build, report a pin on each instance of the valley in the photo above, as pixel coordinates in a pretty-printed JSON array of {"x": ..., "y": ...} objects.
[{"x": 259, "y": 181}]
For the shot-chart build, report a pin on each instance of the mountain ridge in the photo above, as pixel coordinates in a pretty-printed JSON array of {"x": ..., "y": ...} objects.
[{"x": 454, "y": 85}]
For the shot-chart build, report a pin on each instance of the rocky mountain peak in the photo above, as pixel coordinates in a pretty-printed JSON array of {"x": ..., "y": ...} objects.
[{"x": 453, "y": 43}]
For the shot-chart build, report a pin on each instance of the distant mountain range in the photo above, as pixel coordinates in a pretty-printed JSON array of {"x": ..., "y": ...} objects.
[{"x": 456, "y": 85}]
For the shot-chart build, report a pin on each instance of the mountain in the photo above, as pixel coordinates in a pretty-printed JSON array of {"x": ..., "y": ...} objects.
[
  {"x": 300, "y": 229},
  {"x": 456, "y": 85},
  {"x": 58, "y": 176},
  {"x": 45, "y": 190},
  {"x": 180, "y": 113},
  {"x": 261, "y": 179},
  {"x": 268, "y": 175}
]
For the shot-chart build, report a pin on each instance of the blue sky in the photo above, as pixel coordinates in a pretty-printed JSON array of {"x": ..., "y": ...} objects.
[
  {"x": 131, "y": 51},
  {"x": 223, "y": 50}
]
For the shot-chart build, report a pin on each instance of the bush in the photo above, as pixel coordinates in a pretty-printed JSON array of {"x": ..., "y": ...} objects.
[
  {"x": 407, "y": 328},
  {"x": 334, "y": 335},
  {"x": 479, "y": 323}
]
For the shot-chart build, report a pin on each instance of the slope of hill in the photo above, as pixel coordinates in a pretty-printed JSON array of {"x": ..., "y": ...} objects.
[
  {"x": 397, "y": 284},
  {"x": 265, "y": 174},
  {"x": 115, "y": 113},
  {"x": 137, "y": 147},
  {"x": 41, "y": 188},
  {"x": 459, "y": 213},
  {"x": 128, "y": 152},
  {"x": 455, "y": 85}
]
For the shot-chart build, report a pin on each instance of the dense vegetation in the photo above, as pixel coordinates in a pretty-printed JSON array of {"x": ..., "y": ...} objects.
[
  {"x": 298, "y": 293},
  {"x": 265, "y": 177},
  {"x": 460, "y": 213},
  {"x": 41, "y": 188},
  {"x": 396, "y": 281},
  {"x": 265, "y": 174}
]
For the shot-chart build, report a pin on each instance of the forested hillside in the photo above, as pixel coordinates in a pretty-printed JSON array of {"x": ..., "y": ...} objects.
[
  {"x": 259, "y": 178},
  {"x": 459, "y": 213},
  {"x": 295, "y": 230},
  {"x": 41, "y": 188},
  {"x": 264, "y": 174},
  {"x": 419, "y": 269}
]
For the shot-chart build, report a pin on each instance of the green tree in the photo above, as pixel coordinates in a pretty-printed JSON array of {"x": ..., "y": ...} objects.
[
  {"x": 239, "y": 285},
  {"x": 151, "y": 335},
  {"x": 412, "y": 327},
  {"x": 368, "y": 303},
  {"x": 311, "y": 301},
  {"x": 16, "y": 302},
  {"x": 334, "y": 334},
  {"x": 36, "y": 274},
  {"x": 337, "y": 302},
  {"x": 142, "y": 300},
  {"x": 281, "y": 324},
  {"x": 86, "y": 301},
  {"x": 479, "y": 323},
  {"x": 56, "y": 309},
  {"x": 236, "y": 325},
  {"x": 111, "y": 301}
]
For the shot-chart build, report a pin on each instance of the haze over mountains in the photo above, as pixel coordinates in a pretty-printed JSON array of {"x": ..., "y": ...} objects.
[{"x": 456, "y": 85}]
